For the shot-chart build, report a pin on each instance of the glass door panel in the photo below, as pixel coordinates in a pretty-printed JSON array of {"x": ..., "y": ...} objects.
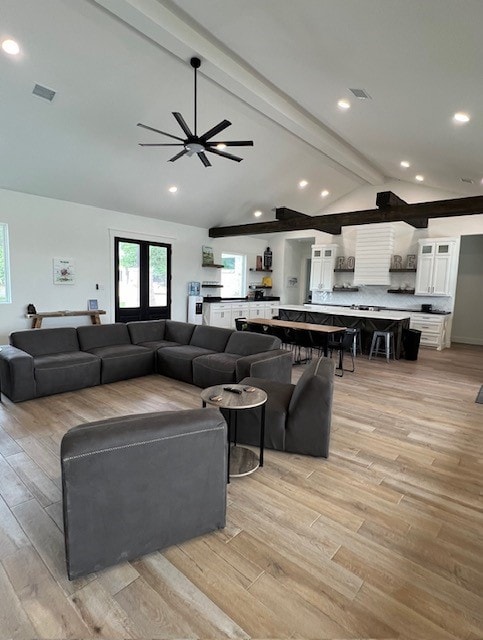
[
  {"x": 128, "y": 275},
  {"x": 158, "y": 270}
]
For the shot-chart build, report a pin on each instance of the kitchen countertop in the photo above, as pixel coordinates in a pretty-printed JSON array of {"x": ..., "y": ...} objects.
[
  {"x": 347, "y": 311},
  {"x": 212, "y": 299}
]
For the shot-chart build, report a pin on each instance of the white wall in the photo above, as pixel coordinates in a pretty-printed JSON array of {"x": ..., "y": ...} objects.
[
  {"x": 468, "y": 310},
  {"x": 41, "y": 229}
]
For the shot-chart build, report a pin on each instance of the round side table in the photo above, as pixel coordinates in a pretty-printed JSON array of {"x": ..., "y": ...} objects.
[{"x": 241, "y": 460}]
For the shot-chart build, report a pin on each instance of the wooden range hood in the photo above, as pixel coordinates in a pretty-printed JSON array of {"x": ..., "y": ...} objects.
[{"x": 390, "y": 208}]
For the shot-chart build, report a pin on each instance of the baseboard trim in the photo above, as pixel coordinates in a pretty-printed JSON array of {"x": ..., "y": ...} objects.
[{"x": 466, "y": 340}]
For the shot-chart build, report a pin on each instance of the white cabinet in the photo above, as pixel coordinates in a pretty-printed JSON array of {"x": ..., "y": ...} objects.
[
  {"x": 217, "y": 314},
  {"x": 436, "y": 267},
  {"x": 322, "y": 267},
  {"x": 435, "y": 329},
  {"x": 239, "y": 310},
  {"x": 223, "y": 314}
]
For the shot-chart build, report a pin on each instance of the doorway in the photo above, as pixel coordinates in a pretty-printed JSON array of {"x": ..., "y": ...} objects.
[{"x": 143, "y": 280}]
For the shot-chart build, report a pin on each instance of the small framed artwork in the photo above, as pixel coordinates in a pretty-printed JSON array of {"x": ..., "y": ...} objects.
[
  {"x": 92, "y": 305},
  {"x": 64, "y": 271},
  {"x": 207, "y": 253}
]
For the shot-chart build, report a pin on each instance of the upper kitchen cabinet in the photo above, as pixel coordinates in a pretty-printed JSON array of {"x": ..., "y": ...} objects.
[
  {"x": 322, "y": 269},
  {"x": 436, "y": 267}
]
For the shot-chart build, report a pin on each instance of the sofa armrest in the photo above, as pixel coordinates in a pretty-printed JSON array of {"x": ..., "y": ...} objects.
[
  {"x": 16, "y": 373},
  {"x": 271, "y": 365}
]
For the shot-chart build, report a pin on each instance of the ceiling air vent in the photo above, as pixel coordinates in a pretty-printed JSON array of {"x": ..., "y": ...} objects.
[
  {"x": 467, "y": 180},
  {"x": 43, "y": 92},
  {"x": 361, "y": 94}
]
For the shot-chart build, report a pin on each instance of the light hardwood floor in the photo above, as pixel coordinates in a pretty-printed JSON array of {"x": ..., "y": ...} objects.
[{"x": 382, "y": 540}]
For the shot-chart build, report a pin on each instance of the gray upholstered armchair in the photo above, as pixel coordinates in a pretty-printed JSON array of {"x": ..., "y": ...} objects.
[
  {"x": 135, "y": 484},
  {"x": 298, "y": 417}
]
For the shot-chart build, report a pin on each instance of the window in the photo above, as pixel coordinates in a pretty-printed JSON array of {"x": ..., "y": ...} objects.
[
  {"x": 233, "y": 276},
  {"x": 4, "y": 265}
]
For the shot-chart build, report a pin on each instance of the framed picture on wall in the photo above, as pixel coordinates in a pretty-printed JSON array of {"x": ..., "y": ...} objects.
[
  {"x": 92, "y": 305},
  {"x": 64, "y": 271}
]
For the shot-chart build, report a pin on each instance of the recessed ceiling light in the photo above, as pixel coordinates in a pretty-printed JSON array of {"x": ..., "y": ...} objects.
[
  {"x": 303, "y": 184},
  {"x": 344, "y": 104},
  {"x": 257, "y": 214},
  {"x": 10, "y": 47},
  {"x": 461, "y": 117},
  {"x": 405, "y": 164},
  {"x": 419, "y": 177},
  {"x": 221, "y": 146},
  {"x": 324, "y": 193},
  {"x": 173, "y": 189}
]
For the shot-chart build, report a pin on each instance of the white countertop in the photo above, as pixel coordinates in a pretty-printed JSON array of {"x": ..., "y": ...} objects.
[{"x": 347, "y": 311}]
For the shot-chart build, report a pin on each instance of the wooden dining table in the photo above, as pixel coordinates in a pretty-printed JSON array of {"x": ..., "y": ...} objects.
[{"x": 325, "y": 329}]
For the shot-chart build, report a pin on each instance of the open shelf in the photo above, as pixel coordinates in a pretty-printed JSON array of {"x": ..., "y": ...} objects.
[
  {"x": 211, "y": 286},
  {"x": 345, "y": 288},
  {"x": 214, "y": 266},
  {"x": 343, "y": 270},
  {"x": 407, "y": 291},
  {"x": 402, "y": 270}
]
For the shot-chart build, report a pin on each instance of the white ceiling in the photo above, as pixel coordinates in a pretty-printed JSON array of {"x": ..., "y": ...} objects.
[{"x": 274, "y": 68}]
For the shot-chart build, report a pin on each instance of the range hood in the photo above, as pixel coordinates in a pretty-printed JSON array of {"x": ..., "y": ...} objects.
[{"x": 374, "y": 250}]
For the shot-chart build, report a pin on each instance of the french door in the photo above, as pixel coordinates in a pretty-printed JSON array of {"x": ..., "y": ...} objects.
[{"x": 143, "y": 280}]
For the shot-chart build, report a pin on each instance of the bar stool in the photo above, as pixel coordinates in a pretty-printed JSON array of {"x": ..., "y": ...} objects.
[
  {"x": 387, "y": 348},
  {"x": 356, "y": 340}
]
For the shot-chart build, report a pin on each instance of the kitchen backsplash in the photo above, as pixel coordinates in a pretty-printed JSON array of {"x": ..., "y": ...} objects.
[{"x": 377, "y": 296}]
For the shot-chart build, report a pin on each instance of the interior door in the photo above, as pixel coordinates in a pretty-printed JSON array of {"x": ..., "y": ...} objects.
[{"x": 143, "y": 282}]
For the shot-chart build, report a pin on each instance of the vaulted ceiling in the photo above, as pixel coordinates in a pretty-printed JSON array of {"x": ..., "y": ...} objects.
[{"x": 274, "y": 68}]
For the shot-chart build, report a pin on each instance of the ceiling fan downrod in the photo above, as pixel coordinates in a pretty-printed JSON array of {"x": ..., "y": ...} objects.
[{"x": 196, "y": 63}]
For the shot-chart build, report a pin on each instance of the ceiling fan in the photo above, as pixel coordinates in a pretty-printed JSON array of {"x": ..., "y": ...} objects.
[{"x": 194, "y": 143}]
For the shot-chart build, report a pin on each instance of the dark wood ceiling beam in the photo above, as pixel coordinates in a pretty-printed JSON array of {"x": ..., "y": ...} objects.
[
  {"x": 283, "y": 213},
  {"x": 388, "y": 199},
  {"x": 413, "y": 214}
]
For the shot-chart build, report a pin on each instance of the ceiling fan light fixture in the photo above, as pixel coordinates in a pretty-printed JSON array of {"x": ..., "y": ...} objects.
[{"x": 194, "y": 143}]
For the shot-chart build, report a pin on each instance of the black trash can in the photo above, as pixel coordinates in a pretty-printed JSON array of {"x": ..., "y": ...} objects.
[{"x": 411, "y": 339}]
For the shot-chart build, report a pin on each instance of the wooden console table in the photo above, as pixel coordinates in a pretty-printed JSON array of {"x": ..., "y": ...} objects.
[{"x": 38, "y": 317}]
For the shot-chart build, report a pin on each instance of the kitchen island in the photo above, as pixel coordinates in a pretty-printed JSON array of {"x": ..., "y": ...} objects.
[{"x": 367, "y": 320}]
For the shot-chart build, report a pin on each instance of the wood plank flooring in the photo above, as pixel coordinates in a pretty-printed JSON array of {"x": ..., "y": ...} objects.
[{"x": 382, "y": 540}]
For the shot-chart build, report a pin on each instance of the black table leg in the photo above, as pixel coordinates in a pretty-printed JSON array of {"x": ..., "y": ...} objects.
[{"x": 262, "y": 434}]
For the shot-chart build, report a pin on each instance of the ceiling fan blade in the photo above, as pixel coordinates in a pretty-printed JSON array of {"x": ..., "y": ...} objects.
[
  {"x": 231, "y": 143},
  {"x": 204, "y": 159},
  {"x": 174, "y": 144},
  {"x": 224, "y": 155},
  {"x": 216, "y": 129},
  {"x": 181, "y": 121},
  {"x": 178, "y": 155},
  {"x": 145, "y": 126}
]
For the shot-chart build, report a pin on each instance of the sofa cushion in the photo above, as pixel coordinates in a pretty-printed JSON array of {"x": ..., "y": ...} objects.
[
  {"x": 61, "y": 372},
  {"x": 213, "y": 338},
  {"x": 179, "y": 332},
  {"x": 214, "y": 368},
  {"x": 103, "y": 335},
  {"x": 176, "y": 362},
  {"x": 159, "y": 344},
  {"x": 123, "y": 361},
  {"x": 145, "y": 331},
  {"x": 39, "y": 342},
  {"x": 245, "y": 343}
]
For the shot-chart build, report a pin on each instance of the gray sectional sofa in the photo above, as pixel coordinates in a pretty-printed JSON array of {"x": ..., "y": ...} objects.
[{"x": 41, "y": 362}]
